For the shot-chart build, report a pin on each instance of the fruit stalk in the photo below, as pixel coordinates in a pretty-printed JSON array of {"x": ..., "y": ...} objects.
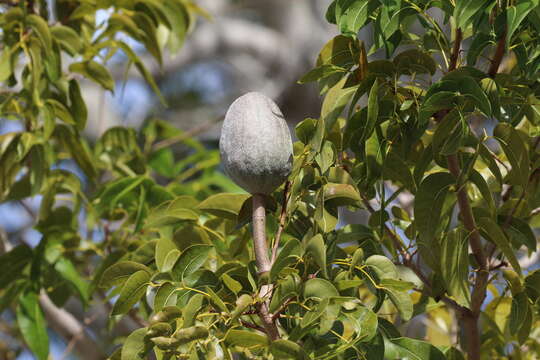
[{"x": 263, "y": 264}]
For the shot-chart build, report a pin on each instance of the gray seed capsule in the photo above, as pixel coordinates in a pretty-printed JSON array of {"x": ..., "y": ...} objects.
[{"x": 255, "y": 144}]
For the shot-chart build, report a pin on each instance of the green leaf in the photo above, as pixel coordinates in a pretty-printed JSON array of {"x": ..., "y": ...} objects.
[
  {"x": 305, "y": 130},
  {"x": 5, "y": 63},
  {"x": 286, "y": 349},
  {"x": 479, "y": 43},
  {"x": 170, "y": 260},
  {"x": 325, "y": 217},
  {"x": 465, "y": 10},
  {"x": 408, "y": 348},
  {"x": 516, "y": 14},
  {"x": 68, "y": 39},
  {"x": 382, "y": 266},
  {"x": 450, "y": 134},
  {"x": 455, "y": 265},
  {"x": 428, "y": 206},
  {"x": 289, "y": 254},
  {"x": 477, "y": 179},
  {"x": 493, "y": 232},
  {"x": 134, "y": 347},
  {"x": 354, "y": 15},
  {"x": 372, "y": 110},
  {"x": 118, "y": 273},
  {"x": 190, "y": 311},
  {"x": 470, "y": 88},
  {"x": 396, "y": 169},
  {"x": 335, "y": 101},
  {"x": 242, "y": 304},
  {"x": 32, "y": 325},
  {"x": 453, "y": 354},
  {"x": 311, "y": 317},
  {"x": 518, "y": 312},
  {"x": 164, "y": 247},
  {"x": 340, "y": 51},
  {"x": 131, "y": 292},
  {"x": 532, "y": 285},
  {"x": 190, "y": 261},
  {"x": 53, "y": 64},
  {"x": 490, "y": 161},
  {"x": 94, "y": 71},
  {"x": 61, "y": 111},
  {"x": 122, "y": 192},
  {"x": 438, "y": 101},
  {"x": 321, "y": 72},
  {"x": 319, "y": 288},
  {"x": 13, "y": 263},
  {"x": 124, "y": 23},
  {"x": 231, "y": 284},
  {"x": 415, "y": 61},
  {"x": 245, "y": 338},
  {"x": 516, "y": 151},
  {"x": 489, "y": 86},
  {"x": 67, "y": 270},
  {"x": 170, "y": 213},
  {"x": 77, "y": 147},
  {"x": 78, "y": 106},
  {"x": 180, "y": 22},
  {"x": 41, "y": 28},
  {"x": 165, "y": 296},
  {"x": 397, "y": 291},
  {"x": 519, "y": 230},
  {"x": 364, "y": 322},
  {"x": 326, "y": 157},
  {"x": 224, "y": 205},
  {"x": 142, "y": 70},
  {"x": 317, "y": 249}
]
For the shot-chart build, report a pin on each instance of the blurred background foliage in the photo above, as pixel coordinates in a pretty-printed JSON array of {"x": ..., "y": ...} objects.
[{"x": 74, "y": 74}]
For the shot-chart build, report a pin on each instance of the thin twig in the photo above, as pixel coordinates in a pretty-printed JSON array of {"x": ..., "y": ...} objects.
[
  {"x": 283, "y": 307},
  {"x": 395, "y": 240},
  {"x": 252, "y": 326},
  {"x": 187, "y": 134},
  {"x": 407, "y": 260},
  {"x": 282, "y": 217}
]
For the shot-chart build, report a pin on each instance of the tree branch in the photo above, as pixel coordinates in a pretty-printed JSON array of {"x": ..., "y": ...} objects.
[
  {"x": 469, "y": 318},
  {"x": 498, "y": 56},
  {"x": 71, "y": 329},
  {"x": 455, "y": 50}
]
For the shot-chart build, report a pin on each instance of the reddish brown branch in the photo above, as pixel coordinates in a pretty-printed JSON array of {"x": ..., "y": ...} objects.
[
  {"x": 455, "y": 50},
  {"x": 469, "y": 318},
  {"x": 252, "y": 326},
  {"x": 498, "y": 56}
]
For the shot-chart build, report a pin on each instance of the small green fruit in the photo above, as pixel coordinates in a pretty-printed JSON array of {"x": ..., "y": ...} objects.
[{"x": 255, "y": 144}]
